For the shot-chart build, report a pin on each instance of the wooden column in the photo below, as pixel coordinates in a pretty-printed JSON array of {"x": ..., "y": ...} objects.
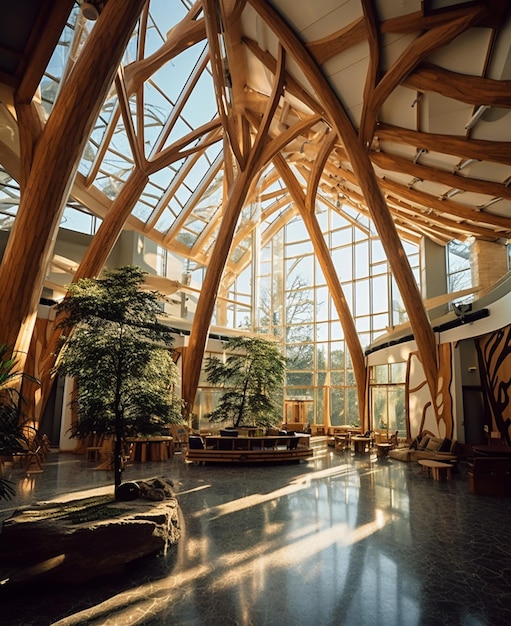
[
  {"x": 250, "y": 157},
  {"x": 192, "y": 361},
  {"x": 53, "y": 167}
]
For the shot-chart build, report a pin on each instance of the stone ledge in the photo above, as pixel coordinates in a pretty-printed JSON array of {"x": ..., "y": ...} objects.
[{"x": 75, "y": 541}]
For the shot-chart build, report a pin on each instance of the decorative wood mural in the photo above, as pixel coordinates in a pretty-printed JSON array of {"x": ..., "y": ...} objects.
[
  {"x": 422, "y": 412},
  {"x": 494, "y": 354}
]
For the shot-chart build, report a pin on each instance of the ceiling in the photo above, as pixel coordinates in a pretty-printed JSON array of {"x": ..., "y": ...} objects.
[{"x": 422, "y": 88}]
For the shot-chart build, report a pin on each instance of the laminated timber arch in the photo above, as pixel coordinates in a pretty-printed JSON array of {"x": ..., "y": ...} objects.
[
  {"x": 239, "y": 179},
  {"x": 380, "y": 214},
  {"x": 49, "y": 163}
]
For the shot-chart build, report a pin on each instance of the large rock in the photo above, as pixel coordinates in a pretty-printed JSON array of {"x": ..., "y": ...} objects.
[{"x": 78, "y": 540}]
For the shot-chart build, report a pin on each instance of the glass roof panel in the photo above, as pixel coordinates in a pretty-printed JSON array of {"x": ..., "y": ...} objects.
[
  {"x": 186, "y": 238},
  {"x": 165, "y": 221}
]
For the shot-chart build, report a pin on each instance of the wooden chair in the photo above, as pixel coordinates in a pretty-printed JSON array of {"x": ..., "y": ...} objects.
[
  {"x": 393, "y": 439},
  {"x": 30, "y": 455},
  {"x": 180, "y": 434},
  {"x": 106, "y": 454},
  {"x": 93, "y": 451}
]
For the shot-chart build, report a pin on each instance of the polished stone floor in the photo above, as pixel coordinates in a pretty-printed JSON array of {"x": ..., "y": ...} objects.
[{"x": 341, "y": 539}]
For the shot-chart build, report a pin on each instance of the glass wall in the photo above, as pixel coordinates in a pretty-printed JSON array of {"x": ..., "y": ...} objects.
[{"x": 294, "y": 303}]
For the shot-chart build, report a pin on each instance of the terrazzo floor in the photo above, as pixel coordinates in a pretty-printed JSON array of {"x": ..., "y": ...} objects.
[{"x": 340, "y": 539}]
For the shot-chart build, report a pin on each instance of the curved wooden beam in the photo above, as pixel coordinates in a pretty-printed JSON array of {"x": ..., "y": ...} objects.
[
  {"x": 177, "y": 151},
  {"x": 426, "y": 172},
  {"x": 93, "y": 262},
  {"x": 237, "y": 194},
  {"x": 367, "y": 121},
  {"x": 494, "y": 151},
  {"x": 375, "y": 201},
  {"x": 457, "y": 210},
  {"x": 229, "y": 122},
  {"x": 469, "y": 89},
  {"x": 181, "y": 37},
  {"x": 328, "y": 47},
  {"x": 419, "y": 49},
  {"x": 53, "y": 169},
  {"x": 30, "y": 127}
]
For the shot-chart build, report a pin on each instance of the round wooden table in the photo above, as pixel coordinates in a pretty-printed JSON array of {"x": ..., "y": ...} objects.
[
  {"x": 382, "y": 449},
  {"x": 360, "y": 443}
]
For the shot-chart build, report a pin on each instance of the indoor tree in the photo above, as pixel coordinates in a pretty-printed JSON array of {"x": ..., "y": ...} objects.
[
  {"x": 252, "y": 376},
  {"x": 121, "y": 357}
]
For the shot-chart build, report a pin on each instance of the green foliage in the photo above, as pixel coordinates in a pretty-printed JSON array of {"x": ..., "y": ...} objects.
[
  {"x": 11, "y": 411},
  {"x": 120, "y": 355},
  {"x": 10, "y": 401},
  {"x": 252, "y": 376}
]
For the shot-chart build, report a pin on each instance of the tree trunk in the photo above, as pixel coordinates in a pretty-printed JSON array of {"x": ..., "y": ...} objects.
[{"x": 118, "y": 451}]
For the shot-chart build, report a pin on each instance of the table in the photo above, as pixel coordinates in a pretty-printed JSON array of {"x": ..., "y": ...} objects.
[
  {"x": 360, "y": 443},
  {"x": 145, "y": 449},
  {"x": 382, "y": 449},
  {"x": 439, "y": 470}
]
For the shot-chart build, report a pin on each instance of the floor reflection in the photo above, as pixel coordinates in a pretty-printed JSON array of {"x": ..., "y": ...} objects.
[{"x": 340, "y": 539}]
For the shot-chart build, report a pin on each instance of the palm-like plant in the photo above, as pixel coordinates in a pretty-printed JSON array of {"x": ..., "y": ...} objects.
[{"x": 11, "y": 413}]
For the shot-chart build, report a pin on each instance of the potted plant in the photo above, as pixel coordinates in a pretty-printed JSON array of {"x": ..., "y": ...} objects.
[
  {"x": 121, "y": 358},
  {"x": 252, "y": 377}
]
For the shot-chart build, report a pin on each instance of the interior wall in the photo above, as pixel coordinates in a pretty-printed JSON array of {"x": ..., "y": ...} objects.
[{"x": 480, "y": 374}]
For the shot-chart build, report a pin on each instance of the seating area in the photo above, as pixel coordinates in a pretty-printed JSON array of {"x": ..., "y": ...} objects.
[
  {"x": 426, "y": 446},
  {"x": 231, "y": 447},
  {"x": 30, "y": 454},
  {"x": 348, "y": 438}
]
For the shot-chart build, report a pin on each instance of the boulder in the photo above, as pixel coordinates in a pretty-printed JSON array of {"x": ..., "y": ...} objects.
[{"x": 75, "y": 541}]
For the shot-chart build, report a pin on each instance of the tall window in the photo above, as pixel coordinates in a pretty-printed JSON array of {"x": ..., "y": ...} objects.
[
  {"x": 458, "y": 266},
  {"x": 294, "y": 303},
  {"x": 387, "y": 397}
]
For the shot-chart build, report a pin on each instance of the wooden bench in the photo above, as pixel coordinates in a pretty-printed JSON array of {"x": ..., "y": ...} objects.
[
  {"x": 490, "y": 476},
  {"x": 267, "y": 449}
]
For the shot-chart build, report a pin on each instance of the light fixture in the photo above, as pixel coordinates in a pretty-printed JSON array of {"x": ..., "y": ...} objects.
[
  {"x": 89, "y": 11},
  {"x": 477, "y": 114},
  {"x": 463, "y": 164},
  {"x": 451, "y": 193},
  {"x": 420, "y": 152},
  {"x": 461, "y": 309}
]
